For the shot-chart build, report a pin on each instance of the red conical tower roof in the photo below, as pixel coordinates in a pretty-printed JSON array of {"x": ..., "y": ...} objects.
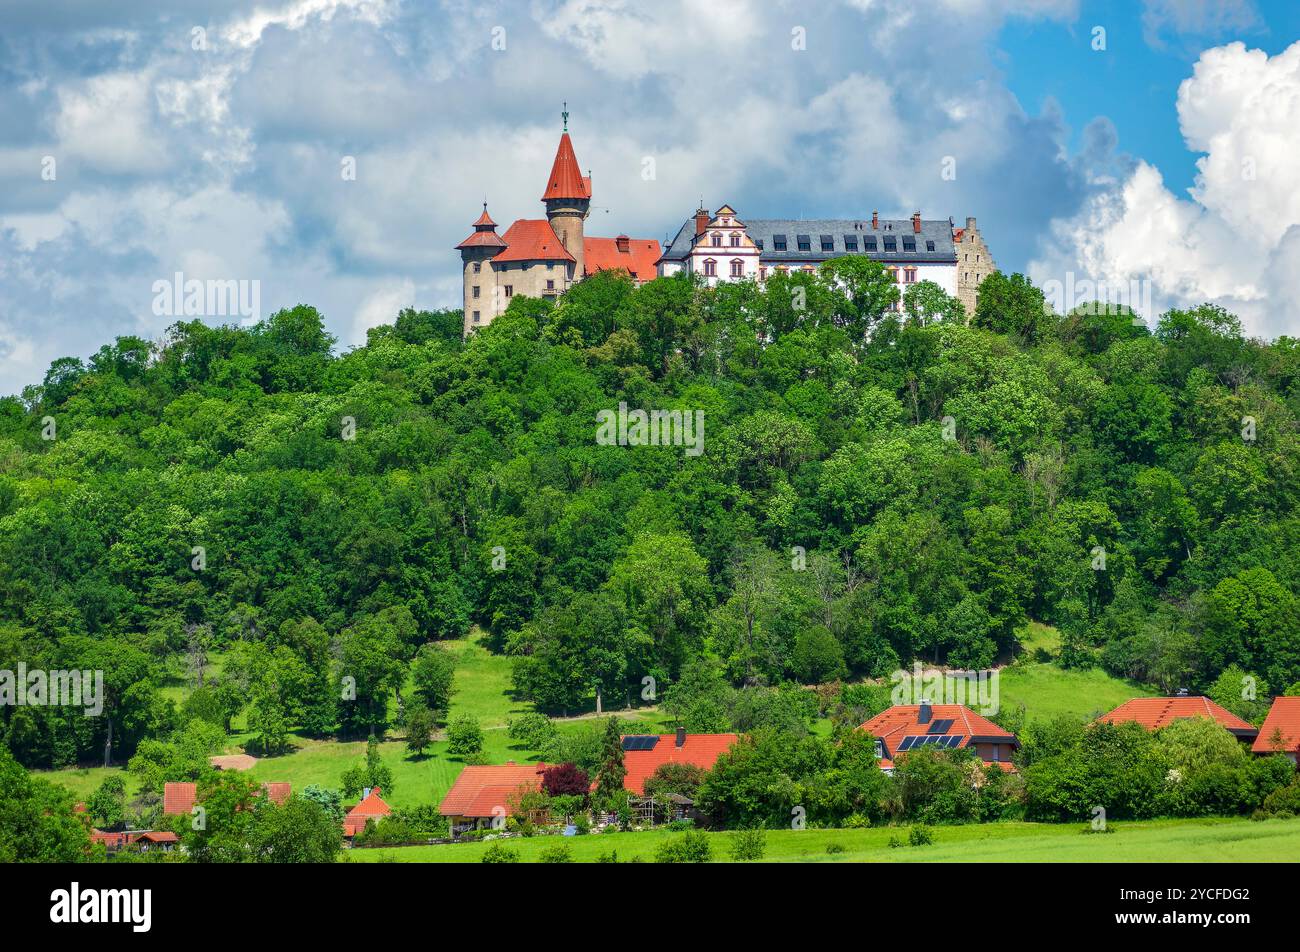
[
  {"x": 485, "y": 233},
  {"x": 485, "y": 218},
  {"x": 566, "y": 179}
]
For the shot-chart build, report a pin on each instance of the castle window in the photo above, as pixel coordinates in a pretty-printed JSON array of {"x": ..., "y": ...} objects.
[
  {"x": 737, "y": 268},
  {"x": 478, "y": 266},
  {"x": 475, "y": 294},
  {"x": 929, "y": 246},
  {"x": 550, "y": 284},
  {"x": 909, "y": 244},
  {"x": 710, "y": 268},
  {"x": 850, "y": 242},
  {"x": 717, "y": 240},
  {"x": 977, "y": 258},
  {"x": 778, "y": 242},
  {"x": 510, "y": 290},
  {"x": 762, "y": 272},
  {"x": 476, "y": 317},
  {"x": 868, "y": 242},
  {"x": 828, "y": 243},
  {"x": 735, "y": 240},
  {"x": 891, "y": 243},
  {"x": 805, "y": 242}
]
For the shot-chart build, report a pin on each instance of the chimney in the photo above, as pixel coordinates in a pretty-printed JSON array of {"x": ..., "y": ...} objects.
[
  {"x": 622, "y": 242},
  {"x": 681, "y": 737},
  {"x": 365, "y": 793},
  {"x": 970, "y": 223},
  {"x": 916, "y": 222},
  {"x": 701, "y": 221},
  {"x": 923, "y": 716},
  {"x": 875, "y": 219}
]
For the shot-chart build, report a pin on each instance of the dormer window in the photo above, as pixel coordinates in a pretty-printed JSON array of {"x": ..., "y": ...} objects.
[
  {"x": 929, "y": 246},
  {"x": 735, "y": 239},
  {"x": 891, "y": 243},
  {"x": 909, "y": 244},
  {"x": 805, "y": 242},
  {"x": 828, "y": 242},
  {"x": 868, "y": 242},
  {"x": 778, "y": 242},
  {"x": 850, "y": 242}
]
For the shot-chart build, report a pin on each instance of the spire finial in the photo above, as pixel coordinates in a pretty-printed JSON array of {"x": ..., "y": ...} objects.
[{"x": 565, "y": 114}]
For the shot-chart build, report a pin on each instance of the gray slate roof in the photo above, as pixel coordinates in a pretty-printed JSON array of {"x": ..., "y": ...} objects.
[{"x": 764, "y": 231}]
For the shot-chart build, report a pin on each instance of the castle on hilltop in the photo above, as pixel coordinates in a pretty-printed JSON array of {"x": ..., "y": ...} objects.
[{"x": 542, "y": 257}]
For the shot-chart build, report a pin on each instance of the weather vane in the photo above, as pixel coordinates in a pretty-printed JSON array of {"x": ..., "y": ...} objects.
[{"x": 565, "y": 114}]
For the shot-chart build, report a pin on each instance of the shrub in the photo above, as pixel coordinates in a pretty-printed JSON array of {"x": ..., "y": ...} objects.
[
  {"x": 464, "y": 736},
  {"x": 500, "y": 853},
  {"x": 559, "y": 853},
  {"x": 920, "y": 836},
  {"x": 749, "y": 844},
  {"x": 833, "y": 848},
  {"x": 566, "y": 780},
  {"x": 690, "y": 847},
  {"x": 534, "y": 731}
]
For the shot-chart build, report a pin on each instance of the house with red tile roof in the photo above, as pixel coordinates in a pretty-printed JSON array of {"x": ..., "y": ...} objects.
[
  {"x": 643, "y": 754},
  {"x": 1280, "y": 732},
  {"x": 543, "y": 257},
  {"x": 371, "y": 807},
  {"x": 179, "y": 798},
  {"x": 907, "y": 727},
  {"x": 1154, "y": 713},
  {"x": 162, "y": 840},
  {"x": 484, "y": 792}
]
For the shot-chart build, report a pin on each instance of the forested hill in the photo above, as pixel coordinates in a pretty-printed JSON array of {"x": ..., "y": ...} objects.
[{"x": 873, "y": 488}]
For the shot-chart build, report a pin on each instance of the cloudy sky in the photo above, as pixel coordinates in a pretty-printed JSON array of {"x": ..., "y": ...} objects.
[{"x": 1116, "y": 140}]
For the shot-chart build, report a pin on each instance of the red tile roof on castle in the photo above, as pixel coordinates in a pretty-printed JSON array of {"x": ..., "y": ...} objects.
[
  {"x": 904, "y": 720},
  {"x": 566, "y": 179},
  {"x": 532, "y": 239},
  {"x": 479, "y": 788},
  {"x": 1283, "y": 716},
  {"x": 372, "y": 806},
  {"x": 1154, "y": 713},
  {"x": 603, "y": 254},
  {"x": 702, "y": 750},
  {"x": 178, "y": 798}
]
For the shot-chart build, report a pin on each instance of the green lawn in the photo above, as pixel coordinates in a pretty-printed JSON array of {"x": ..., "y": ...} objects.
[
  {"x": 1047, "y": 691},
  {"x": 482, "y": 688},
  {"x": 1135, "y": 842}
]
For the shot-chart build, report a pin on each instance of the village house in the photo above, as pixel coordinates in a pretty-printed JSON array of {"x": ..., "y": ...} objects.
[
  {"x": 483, "y": 792},
  {"x": 1154, "y": 713},
  {"x": 371, "y": 807},
  {"x": 643, "y": 754},
  {"x": 179, "y": 797},
  {"x": 1280, "y": 732},
  {"x": 144, "y": 841},
  {"x": 907, "y": 727}
]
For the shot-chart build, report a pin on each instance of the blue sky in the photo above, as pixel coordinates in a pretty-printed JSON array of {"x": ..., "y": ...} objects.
[{"x": 1168, "y": 157}]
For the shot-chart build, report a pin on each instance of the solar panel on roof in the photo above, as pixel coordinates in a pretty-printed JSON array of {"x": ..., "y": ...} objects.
[
  {"x": 640, "y": 741},
  {"x": 905, "y": 744},
  {"x": 940, "y": 727},
  {"x": 954, "y": 740}
]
